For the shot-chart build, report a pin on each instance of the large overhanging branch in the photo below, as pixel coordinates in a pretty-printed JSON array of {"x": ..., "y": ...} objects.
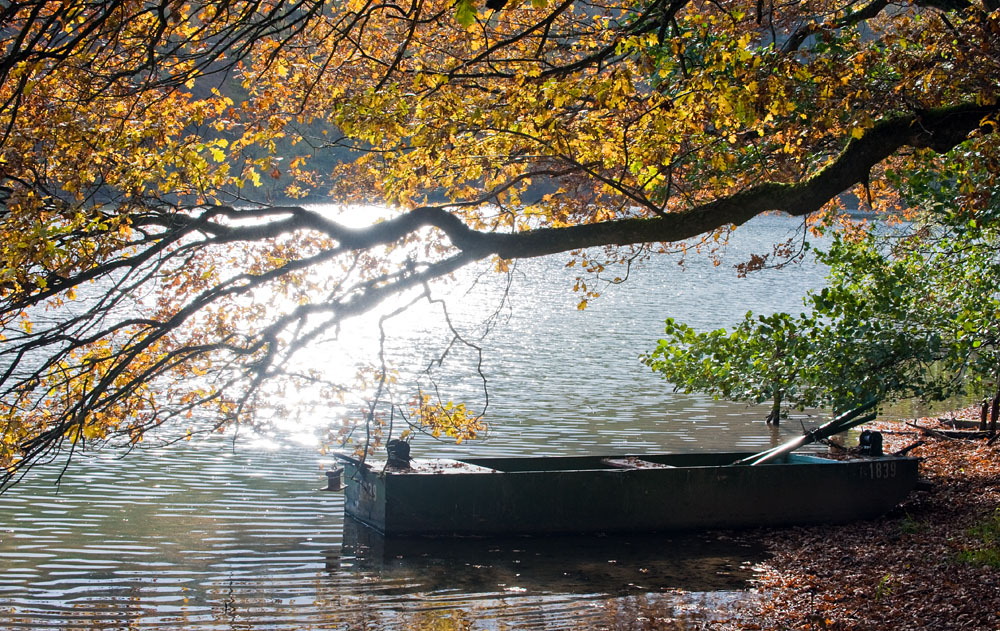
[{"x": 939, "y": 129}]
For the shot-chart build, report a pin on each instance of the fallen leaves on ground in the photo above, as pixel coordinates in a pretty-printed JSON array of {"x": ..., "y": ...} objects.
[{"x": 907, "y": 570}]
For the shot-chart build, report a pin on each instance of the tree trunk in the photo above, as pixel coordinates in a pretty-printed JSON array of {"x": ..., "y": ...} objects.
[
  {"x": 994, "y": 412},
  {"x": 984, "y": 413},
  {"x": 775, "y": 415}
]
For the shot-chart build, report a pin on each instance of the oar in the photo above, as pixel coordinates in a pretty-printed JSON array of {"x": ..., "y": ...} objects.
[{"x": 840, "y": 424}]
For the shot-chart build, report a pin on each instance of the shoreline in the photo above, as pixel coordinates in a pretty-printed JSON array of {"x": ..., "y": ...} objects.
[{"x": 924, "y": 565}]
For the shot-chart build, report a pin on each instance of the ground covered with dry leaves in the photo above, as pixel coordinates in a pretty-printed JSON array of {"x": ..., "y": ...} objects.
[{"x": 933, "y": 563}]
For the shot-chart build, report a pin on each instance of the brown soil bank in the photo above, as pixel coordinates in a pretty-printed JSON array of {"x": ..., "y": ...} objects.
[{"x": 933, "y": 563}]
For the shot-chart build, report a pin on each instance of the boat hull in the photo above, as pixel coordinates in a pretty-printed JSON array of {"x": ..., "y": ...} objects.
[{"x": 501, "y": 496}]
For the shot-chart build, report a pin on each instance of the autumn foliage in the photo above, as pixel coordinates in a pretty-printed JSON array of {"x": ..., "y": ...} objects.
[{"x": 154, "y": 263}]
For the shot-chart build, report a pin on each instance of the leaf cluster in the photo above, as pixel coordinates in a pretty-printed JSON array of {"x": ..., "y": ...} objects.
[
  {"x": 768, "y": 358},
  {"x": 908, "y": 311}
]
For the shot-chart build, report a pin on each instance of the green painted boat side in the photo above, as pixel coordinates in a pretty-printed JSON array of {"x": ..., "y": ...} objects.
[{"x": 589, "y": 494}]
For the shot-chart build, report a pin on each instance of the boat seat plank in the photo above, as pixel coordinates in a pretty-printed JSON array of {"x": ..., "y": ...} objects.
[{"x": 445, "y": 465}]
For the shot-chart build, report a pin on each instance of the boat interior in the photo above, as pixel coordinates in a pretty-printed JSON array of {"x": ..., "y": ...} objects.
[
  {"x": 646, "y": 461},
  {"x": 583, "y": 463}
]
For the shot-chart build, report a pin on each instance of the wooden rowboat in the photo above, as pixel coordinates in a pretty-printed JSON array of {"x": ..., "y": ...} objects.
[{"x": 620, "y": 494}]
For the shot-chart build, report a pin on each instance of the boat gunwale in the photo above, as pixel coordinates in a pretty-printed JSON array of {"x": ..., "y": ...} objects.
[{"x": 378, "y": 467}]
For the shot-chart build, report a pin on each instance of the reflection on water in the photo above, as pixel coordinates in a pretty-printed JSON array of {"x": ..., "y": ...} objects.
[
  {"x": 199, "y": 537},
  {"x": 616, "y": 565},
  {"x": 207, "y": 536},
  {"x": 560, "y": 377}
]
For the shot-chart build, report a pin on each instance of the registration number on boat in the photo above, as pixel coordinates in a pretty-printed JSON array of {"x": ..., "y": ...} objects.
[{"x": 879, "y": 470}]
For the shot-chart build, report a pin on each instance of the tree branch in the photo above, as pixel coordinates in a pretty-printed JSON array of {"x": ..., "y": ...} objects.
[{"x": 940, "y": 130}]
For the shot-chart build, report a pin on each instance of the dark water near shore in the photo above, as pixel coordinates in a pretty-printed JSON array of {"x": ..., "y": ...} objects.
[{"x": 211, "y": 534}]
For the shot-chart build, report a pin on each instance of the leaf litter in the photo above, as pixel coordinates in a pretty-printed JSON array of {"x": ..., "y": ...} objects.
[{"x": 931, "y": 563}]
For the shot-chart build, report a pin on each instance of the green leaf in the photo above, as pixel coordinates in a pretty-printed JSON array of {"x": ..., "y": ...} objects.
[{"x": 465, "y": 13}]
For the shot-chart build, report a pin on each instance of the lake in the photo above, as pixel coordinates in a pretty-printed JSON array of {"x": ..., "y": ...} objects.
[{"x": 237, "y": 533}]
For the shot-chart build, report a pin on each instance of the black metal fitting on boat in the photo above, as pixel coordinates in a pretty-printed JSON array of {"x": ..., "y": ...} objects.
[
  {"x": 870, "y": 443},
  {"x": 399, "y": 454}
]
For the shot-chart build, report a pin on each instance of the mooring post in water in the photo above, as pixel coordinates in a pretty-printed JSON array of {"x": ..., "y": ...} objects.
[{"x": 334, "y": 479}]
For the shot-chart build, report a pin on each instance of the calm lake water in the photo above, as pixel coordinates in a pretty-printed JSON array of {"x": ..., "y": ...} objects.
[{"x": 221, "y": 534}]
